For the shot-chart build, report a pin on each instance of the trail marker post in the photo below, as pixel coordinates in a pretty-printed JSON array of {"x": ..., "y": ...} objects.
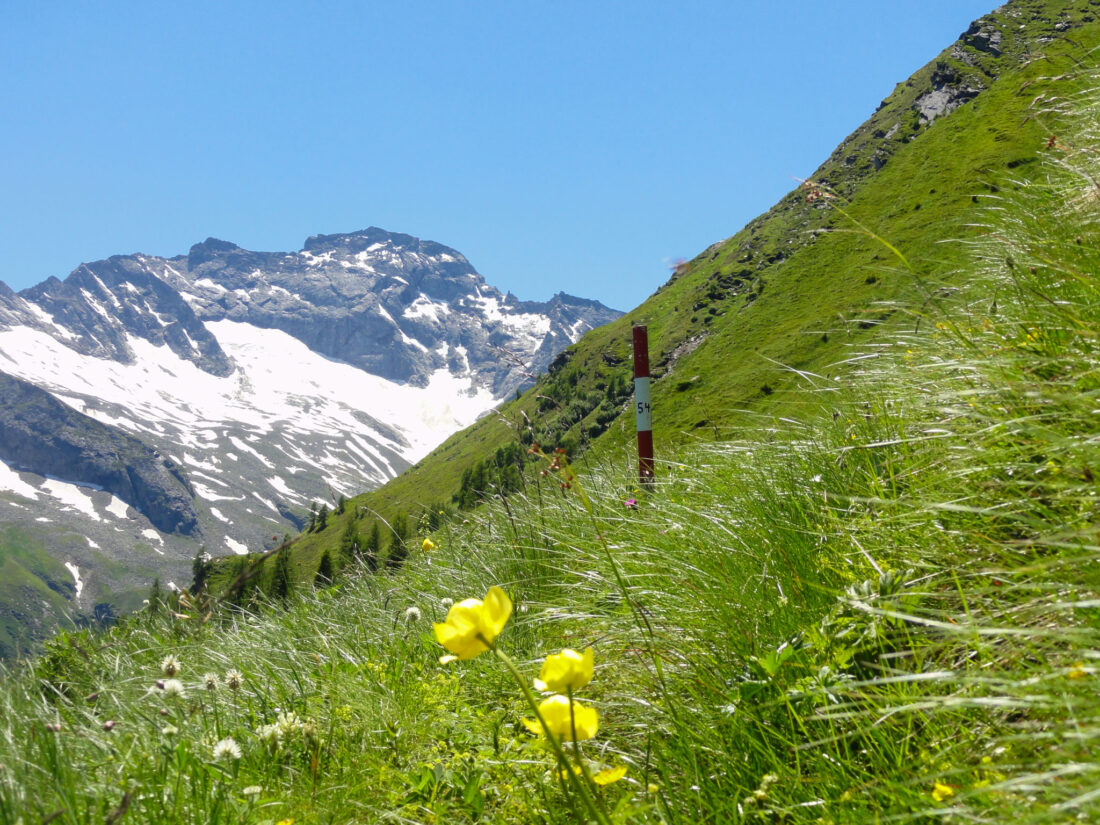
[{"x": 643, "y": 413}]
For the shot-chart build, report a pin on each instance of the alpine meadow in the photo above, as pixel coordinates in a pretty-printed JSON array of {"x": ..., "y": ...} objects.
[{"x": 864, "y": 585}]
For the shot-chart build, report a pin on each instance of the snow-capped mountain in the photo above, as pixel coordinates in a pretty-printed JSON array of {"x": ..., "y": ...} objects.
[{"x": 254, "y": 382}]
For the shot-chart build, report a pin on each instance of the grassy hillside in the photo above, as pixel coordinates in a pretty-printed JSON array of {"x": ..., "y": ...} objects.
[
  {"x": 34, "y": 584},
  {"x": 790, "y": 291},
  {"x": 883, "y": 612},
  {"x": 753, "y": 322},
  {"x": 38, "y": 592}
]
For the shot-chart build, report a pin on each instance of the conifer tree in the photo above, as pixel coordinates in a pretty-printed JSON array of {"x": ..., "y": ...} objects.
[
  {"x": 510, "y": 479},
  {"x": 398, "y": 549},
  {"x": 370, "y": 547},
  {"x": 280, "y": 580},
  {"x": 322, "y": 518},
  {"x": 436, "y": 513},
  {"x": 325, "y": 573},
  {"x": 348, "y": 542},
  {"x": 201, "y": 568},
  {"x": 238, "y": 583},
  {"x": 156, "y": 596},
  {"x": 250, "y": 578}
]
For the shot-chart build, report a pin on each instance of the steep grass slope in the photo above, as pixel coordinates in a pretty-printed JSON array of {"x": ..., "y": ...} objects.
[
  {"x": 795, "y": 289},
  {"x": 753, "y": 322}
]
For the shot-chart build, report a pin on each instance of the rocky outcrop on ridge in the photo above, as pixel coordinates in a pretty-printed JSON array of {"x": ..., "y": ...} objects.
[{"x": 41, "y": 435}]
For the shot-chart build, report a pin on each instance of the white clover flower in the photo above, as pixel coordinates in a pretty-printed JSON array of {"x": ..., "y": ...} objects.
[
  {"x": 412, "y": 614},
  {"x": 169, "y": 730},
  {"x": 252, "y": 790},
  {"x": 173, "y": 687},
  {"x": 288, "y": 723},
  {"x": 170, "y": 665},
  {"x": 446, "y": 603},
  {"x": 309, "y": 731},
  {"x": 233, "y": 680},
  {"x": 270, "y": 735},
  {"x": 211, "y": 681},
  {"x": 226, "y": 750}
]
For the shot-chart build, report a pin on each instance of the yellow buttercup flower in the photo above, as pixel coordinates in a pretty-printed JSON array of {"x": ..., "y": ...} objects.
[
  {"x": 940, "y": 792},
  {"x": 472, "y": 624},
  {"x": 428, "y": 545},
  {"x": 609, "y": 775},
  {"x": 562, "y": 716},
  {"x": 605, "y": 777},
  {"x": 565, "y": 671}
]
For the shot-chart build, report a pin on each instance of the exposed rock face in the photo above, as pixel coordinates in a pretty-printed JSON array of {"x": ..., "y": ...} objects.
[
  {"x": 41, "y": 435},
  {"x": 949, "y": 92},
  {"x": 100, "y": 305},
  {"x": 983, "y": 36},
  {"x": 990, "y": 46}
]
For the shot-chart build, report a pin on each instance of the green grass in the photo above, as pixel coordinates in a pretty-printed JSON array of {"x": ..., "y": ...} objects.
[
  {"x": 34, "y": 585},
  {"x": 884, "y": 611}
]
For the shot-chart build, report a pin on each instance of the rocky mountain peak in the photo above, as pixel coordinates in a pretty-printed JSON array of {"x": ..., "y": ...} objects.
[
  {"x": 102, "y": 305},
  {"x": 208, "y": 250},
  {"x": 154, "y": 403},
  {"x": 363, "y": 239}
]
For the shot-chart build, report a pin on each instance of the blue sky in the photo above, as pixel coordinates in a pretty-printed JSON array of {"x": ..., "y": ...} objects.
[{"x": 576, "y": 146}]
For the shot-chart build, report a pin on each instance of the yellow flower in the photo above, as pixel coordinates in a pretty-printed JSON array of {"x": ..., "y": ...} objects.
[
  {"x": 609, "y": 775},
  {"x": 428, "y": 545},
  {"x": 472, "y": 624},
  {"x": 1078, "y": 671},
  {"x": 562, "y": 716},
  {"x": 564, "y": 774},
  {"x": 565, "y": 671},
  {"x": 605, "y": 777},
  {"x": 940, "y": 792}
]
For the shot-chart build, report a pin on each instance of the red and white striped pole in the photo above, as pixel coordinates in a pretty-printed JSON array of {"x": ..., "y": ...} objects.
[{"x": 643, "y": 414}]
